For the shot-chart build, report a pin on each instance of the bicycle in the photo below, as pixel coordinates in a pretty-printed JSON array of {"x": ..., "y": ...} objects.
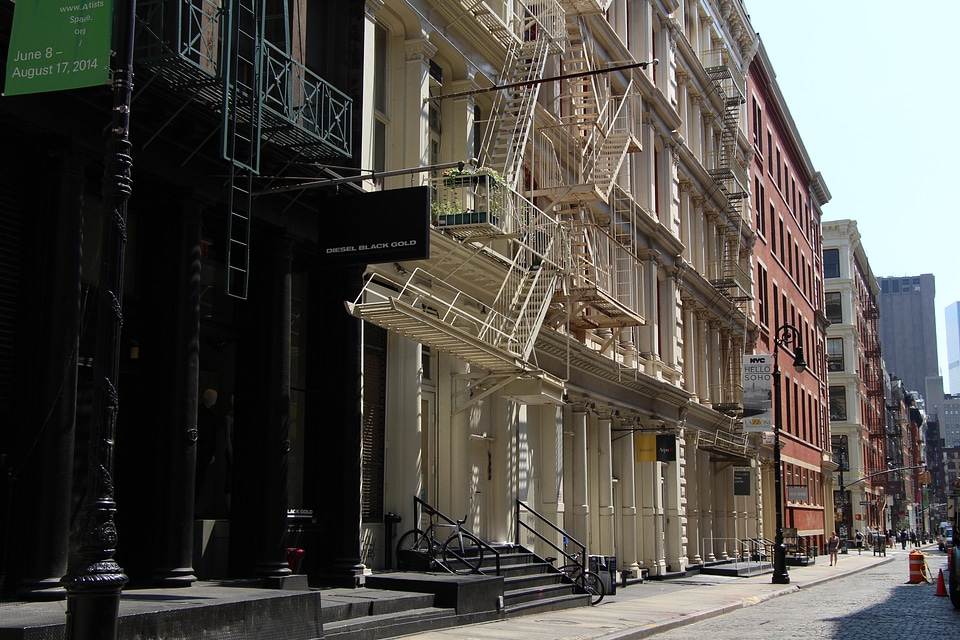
[
  {"x": 589, "y": 581},
  {"x": 461, "y": 552}
]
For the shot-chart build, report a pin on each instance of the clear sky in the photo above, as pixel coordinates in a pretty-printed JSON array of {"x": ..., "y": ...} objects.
[{"x": 872, "y": 86}]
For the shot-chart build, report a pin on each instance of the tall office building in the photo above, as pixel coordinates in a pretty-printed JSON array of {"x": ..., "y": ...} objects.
[
  {"x": 908, "y": 328},
  {"x": 952, "y": 316}
]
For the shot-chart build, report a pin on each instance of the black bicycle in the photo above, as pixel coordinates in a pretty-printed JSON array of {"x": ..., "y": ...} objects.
[
  {"x": 419, "y": 549},
  {"x": 589, "y": 581}
]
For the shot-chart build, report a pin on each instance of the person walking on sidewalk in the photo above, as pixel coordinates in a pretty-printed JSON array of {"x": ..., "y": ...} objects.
[
  {"x": 833, "y": 546},
  {"x": 859, "y": 537}
]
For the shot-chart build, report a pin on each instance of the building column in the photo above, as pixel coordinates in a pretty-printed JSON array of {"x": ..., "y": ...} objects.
[
  {"x": 673, "y": 513},
  {"x": 694, "y": 535},
  {"x": 707, "y": 510},
  {"x": 48, "y": 476},
  {"x": 577, "y": 478},
  {"x": 624, "y": 468},
  {"x": 174, "y": 567},
  {"x": 605, "y": 539},
  {"x": 651, "y": 487},
  {"x": 275, "y": 440}
]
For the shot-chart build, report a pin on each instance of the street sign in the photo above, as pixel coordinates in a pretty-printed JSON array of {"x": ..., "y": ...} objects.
[{"x": 864, "y": 503}]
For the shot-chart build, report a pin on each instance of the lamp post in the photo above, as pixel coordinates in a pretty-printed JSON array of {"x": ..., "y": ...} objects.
[{"x": 785, "y": 334}]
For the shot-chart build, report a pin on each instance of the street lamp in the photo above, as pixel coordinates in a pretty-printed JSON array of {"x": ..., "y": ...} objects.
[{"x": 785, "y": 334}]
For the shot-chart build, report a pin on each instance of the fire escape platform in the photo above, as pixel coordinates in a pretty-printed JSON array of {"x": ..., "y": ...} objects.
[
  {"x": 610, "y": 313},
  {"x": 424, "y": 325},
  {"x": 512, "y": 377}
]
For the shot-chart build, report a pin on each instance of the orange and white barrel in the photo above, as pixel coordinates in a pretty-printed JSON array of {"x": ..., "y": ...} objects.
[{"x": 917, "y": 561}]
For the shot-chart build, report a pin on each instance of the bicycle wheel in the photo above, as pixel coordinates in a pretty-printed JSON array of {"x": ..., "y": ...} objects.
[
  {"x": 414, "y": 551},
  {"x": 462, "y": 553},
  {"x": 593, "y": 584}
]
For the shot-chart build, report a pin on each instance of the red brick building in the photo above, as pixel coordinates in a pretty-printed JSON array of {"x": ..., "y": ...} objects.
[{"x": 786, "y": 200}]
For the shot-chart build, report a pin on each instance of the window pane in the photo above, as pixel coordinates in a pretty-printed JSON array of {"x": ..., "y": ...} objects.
[
  {"x": 833, "y": 309},
  {"x": 838, "y": 403},
  {"x": 831, "y": 263},
  {"x": 835, "y": 354}
]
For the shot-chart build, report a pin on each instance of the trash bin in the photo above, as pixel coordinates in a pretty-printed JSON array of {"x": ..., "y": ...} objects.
[
  {"x": 880, "y": 545},
  {"x": 606, "y": 568}
]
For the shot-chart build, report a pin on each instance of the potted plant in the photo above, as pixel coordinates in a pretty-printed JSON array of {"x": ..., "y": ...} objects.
[{"x": 444, "y": 213}]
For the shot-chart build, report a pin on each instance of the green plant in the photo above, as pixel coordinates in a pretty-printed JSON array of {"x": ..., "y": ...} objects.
[{"x": 444, "y": 208}]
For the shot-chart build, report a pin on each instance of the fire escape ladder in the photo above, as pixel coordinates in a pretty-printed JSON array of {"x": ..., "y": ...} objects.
[
  {"x": 241, "y": 134},
  {"x": 582, "y": 91},
  {"x": 508, "y": 132},
  {"x": 618, "y": 138}
]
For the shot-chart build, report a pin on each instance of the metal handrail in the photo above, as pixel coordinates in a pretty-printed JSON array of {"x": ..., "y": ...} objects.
[
  {"x": 418, "y": 507},
  {"x": 574, "y": 558}
]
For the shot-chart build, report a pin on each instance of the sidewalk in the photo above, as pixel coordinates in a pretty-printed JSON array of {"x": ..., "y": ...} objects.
[
  {"x": 641, "y": 610},
  {"x": 636, "y": 611}
]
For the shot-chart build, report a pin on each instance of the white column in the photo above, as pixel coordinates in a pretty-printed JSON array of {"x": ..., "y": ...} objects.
[
  {"x": 693, "y": 505},
  {"x": 605, "y": 539},
  {"x": 415, "y": 122},
  {"x": 674, "y": 553},
  {"x": 578, "y": 525},
  {"x": 624, "y": 468},
  {"x": 651, "y": 491},
  {"x": 405, "y": 469},
  {"x": 707, "y": 532}
]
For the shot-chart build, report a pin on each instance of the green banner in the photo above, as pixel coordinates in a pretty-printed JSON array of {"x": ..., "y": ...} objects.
[{"x": 58, "y": 44}]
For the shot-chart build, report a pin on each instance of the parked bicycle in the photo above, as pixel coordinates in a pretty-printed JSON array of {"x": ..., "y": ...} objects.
[
  {"x": 589, "y": 581},
  {"x": 461, "y": 552}
]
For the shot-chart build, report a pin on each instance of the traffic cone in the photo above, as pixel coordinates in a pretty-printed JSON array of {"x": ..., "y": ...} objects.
[{"x": 941, "y": 587}]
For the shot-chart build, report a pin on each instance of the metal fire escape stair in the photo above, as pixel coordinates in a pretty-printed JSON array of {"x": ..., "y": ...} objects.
[
  {"x": 601, "y": 273},
  {"x": 729, "y": 176},
  {"x": 506, "y": 141},
  {"x": 241, "y": 135},
  {"x": 218, "y": 73}
]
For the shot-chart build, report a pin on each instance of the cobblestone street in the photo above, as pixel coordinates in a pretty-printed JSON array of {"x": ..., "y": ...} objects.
[{"x": 874, "y": 604}]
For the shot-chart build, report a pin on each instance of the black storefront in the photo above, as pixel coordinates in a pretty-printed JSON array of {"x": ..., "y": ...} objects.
[{"x": 284, "y": 360}]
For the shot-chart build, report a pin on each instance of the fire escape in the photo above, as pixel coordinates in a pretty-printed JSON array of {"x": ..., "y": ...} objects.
[
  {"x": 231, "y": 65},
  {"x": 727, "y": 274},
  {"x": 873, "y": 381},
  {"x": 576, "y": 161},
  {"x": 496, "y": 259}
]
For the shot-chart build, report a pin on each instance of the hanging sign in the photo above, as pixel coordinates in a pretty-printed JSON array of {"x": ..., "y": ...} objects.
[
  {"x": 58, "y": 44},
  {"x": 666, "y": 447},
  {"x": 741, "y": 481},
  {"x": 377, "y": 226},
  {"x": 757, "y": 393},
  {"x": 645, "y": 445}
]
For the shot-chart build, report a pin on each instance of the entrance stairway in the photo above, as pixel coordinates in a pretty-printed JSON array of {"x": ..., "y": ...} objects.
[
  {"x": 533, "y": 585},
  {"x": 398, "y": 603}
]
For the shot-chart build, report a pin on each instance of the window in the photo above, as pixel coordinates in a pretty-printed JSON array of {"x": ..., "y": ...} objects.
[
  {"x": 838, "y": 403},
  {"x": 379, "y": 160},
  {"x": 835, "y": 354},
  {"x": 834, "y": 309},
  {"x": 831, "y": 263}
]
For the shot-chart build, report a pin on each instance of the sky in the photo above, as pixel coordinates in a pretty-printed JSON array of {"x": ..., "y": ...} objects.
[{"x": 872, "y": 88}]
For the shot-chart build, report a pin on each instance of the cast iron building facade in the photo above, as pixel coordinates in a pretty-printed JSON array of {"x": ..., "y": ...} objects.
[
  {"x": 856, "y": 379},
  {"x": 224, "y": 300}
]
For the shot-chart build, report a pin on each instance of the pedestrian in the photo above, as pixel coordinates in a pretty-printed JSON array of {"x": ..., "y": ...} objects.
[
  {"x": 913, "y": 537},
  {"x": 903, "y": 538},
  {"x": 833, "y": 546},
  {"x": 859, "y": 537}
]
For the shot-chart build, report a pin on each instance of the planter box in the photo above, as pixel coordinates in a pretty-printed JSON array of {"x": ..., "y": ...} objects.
[
  {"x": 467, "y": 180},
  {"x": 467, "y": 217}
]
